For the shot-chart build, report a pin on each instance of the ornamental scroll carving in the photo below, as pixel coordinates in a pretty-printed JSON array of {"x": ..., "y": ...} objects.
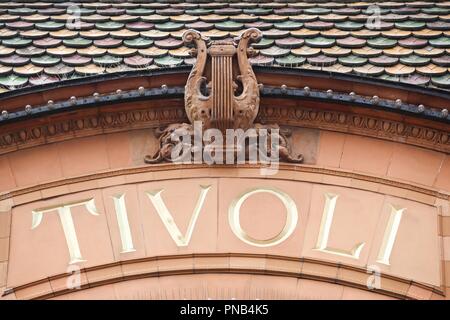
[{"x": 221, "y": 93}]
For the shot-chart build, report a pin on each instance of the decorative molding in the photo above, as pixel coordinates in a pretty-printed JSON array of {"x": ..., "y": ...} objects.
[
  {"x": 301, "y": 268},
  {"x": 222, "y": 93},
  {"x": 154, "y": 114},
  {"x": 374, "y": 102}
]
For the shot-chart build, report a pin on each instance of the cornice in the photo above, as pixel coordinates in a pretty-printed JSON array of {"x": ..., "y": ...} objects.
[{"x": 356, "y": 123}]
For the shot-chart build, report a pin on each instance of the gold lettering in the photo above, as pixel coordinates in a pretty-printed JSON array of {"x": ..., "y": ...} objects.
[{"x": 390, "y": 234}]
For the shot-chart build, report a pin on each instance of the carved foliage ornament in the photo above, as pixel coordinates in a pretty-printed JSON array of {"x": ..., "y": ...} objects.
[{"x": 221, "y": 93}]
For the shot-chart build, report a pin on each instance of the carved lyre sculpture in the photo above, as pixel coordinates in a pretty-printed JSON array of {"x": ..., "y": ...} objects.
[{"x": 221, "y": 92}]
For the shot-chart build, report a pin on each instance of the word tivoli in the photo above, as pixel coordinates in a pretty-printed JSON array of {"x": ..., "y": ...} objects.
[{"x": 64, "y": 212}]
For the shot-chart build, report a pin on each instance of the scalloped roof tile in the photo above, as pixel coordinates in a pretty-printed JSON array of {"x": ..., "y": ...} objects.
[{"x": 53, "y": 40}]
